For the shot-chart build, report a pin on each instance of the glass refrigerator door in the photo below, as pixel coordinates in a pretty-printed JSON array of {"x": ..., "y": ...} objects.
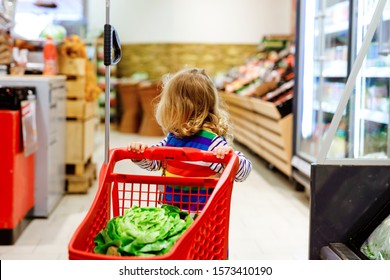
[
  {"x": 371, "y": 122},
  {"x": 323, "y": 49}
]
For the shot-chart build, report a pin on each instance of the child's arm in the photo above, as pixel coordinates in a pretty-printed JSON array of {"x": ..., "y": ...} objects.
[
  {"x": 220, "y": 148},
  {"x": 138, "y": 147}
]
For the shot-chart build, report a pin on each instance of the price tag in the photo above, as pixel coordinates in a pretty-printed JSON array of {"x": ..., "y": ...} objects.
[{"x": 29, "y": 127}]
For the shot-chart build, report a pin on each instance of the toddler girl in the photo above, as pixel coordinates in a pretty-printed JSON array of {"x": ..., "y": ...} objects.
[{"x": 189, "y": 113}]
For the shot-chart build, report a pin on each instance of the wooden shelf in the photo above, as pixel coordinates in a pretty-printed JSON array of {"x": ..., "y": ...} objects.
[{"x": 260, "y": 126}]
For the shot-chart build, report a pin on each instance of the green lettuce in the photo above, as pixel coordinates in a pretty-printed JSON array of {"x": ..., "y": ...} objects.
[
  {"x": 377, "y": 245},
  {"x": 143, "y": 231}
]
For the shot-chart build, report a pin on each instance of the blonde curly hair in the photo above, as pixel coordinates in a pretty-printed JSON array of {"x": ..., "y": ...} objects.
[{"x": 189, "y": 102}]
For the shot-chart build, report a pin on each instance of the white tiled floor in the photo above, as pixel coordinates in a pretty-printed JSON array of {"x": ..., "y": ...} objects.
[{"x": 269, "y": 219}]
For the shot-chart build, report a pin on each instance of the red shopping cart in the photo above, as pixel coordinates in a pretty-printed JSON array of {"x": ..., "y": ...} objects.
[{"x": 206, "y": 238}]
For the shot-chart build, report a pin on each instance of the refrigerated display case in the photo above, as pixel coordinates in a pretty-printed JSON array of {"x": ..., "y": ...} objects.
[
  {"x": 331, "y": 33},
  {"x": 371, "y": 115},
  {"x": 322, "y": 66},
  {"x": 350, "y": 194}
]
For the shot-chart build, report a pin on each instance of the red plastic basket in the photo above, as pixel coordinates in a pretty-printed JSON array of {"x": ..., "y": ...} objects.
[{"x": 206, "y": 238}]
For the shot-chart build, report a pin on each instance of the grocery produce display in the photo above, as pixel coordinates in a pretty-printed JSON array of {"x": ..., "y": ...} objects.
[
  {"x": 259, "y": 96},
  {"x": 377, "y": 245},
  {"x": 268, "y": 75},
  {"x": 74, "y": 63},
  {"x": 143, "y": 231},
  {"x": 5, "y": 49}
]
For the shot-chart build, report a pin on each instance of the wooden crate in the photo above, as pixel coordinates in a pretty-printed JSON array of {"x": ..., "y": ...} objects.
[
  {"x": 75, "y": 87},
  {"x": 78, "y": 169},
  {"x": 80, "y": 140},
  {"x": 259, "y": 125},
  {"x": 81, "y": 183},
  {"x": 72, "y": 66},
  {"x": 80, "y": 109}
]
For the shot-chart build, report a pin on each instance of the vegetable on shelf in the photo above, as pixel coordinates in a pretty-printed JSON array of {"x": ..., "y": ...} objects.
[
  {"x": 377, "y": 245},
  {"x": 143, "y": 231}
]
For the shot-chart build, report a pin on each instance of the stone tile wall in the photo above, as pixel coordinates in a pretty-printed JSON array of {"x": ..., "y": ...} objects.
[{"x": 159, "y": 59}]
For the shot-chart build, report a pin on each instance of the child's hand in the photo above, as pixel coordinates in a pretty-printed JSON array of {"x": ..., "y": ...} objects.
[
  {"x": 221, "y": 151},
  {"x": 137, "y": 147}
]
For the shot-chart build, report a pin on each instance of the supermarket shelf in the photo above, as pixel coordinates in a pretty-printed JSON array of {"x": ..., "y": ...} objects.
[
  {"x": 335, "y": 69},
  {"x": 336, "y": 27},
  {"x": 375, "y": 116},
  {"x": 326, "y": 107},
  {"x": 376, "y": 72},
  {"x": 386, "y": 13}
]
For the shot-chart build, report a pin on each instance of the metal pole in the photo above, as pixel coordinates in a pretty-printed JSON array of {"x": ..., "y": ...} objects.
[
  {"x": 107, "y": 98},
  {"x": 351, "y": 81}
]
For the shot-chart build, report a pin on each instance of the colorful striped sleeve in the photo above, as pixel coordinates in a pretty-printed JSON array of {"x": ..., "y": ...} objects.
[
  {"x": 152, "y": 165},
  {"x": 245, "y": 165}
]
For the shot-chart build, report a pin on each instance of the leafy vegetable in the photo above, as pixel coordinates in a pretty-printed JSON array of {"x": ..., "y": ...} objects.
[
  {"x": 377, "y": 245},
  {"x": 143, "y": 231}
]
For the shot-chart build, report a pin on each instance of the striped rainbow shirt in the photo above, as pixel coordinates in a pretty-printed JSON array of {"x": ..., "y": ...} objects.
[{"x": 203, "y": 140}]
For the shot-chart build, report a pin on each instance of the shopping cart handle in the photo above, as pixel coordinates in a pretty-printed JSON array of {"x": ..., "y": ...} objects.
[
  {"x": 112, "y": 46},
  {"x": 167, "y": 153}
]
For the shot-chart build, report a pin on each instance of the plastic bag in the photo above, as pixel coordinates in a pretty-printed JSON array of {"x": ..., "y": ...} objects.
[{"x": 377, "y": 245}]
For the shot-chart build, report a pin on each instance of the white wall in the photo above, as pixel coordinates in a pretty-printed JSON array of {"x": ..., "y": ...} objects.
[{"x": 192, "y": 21}]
